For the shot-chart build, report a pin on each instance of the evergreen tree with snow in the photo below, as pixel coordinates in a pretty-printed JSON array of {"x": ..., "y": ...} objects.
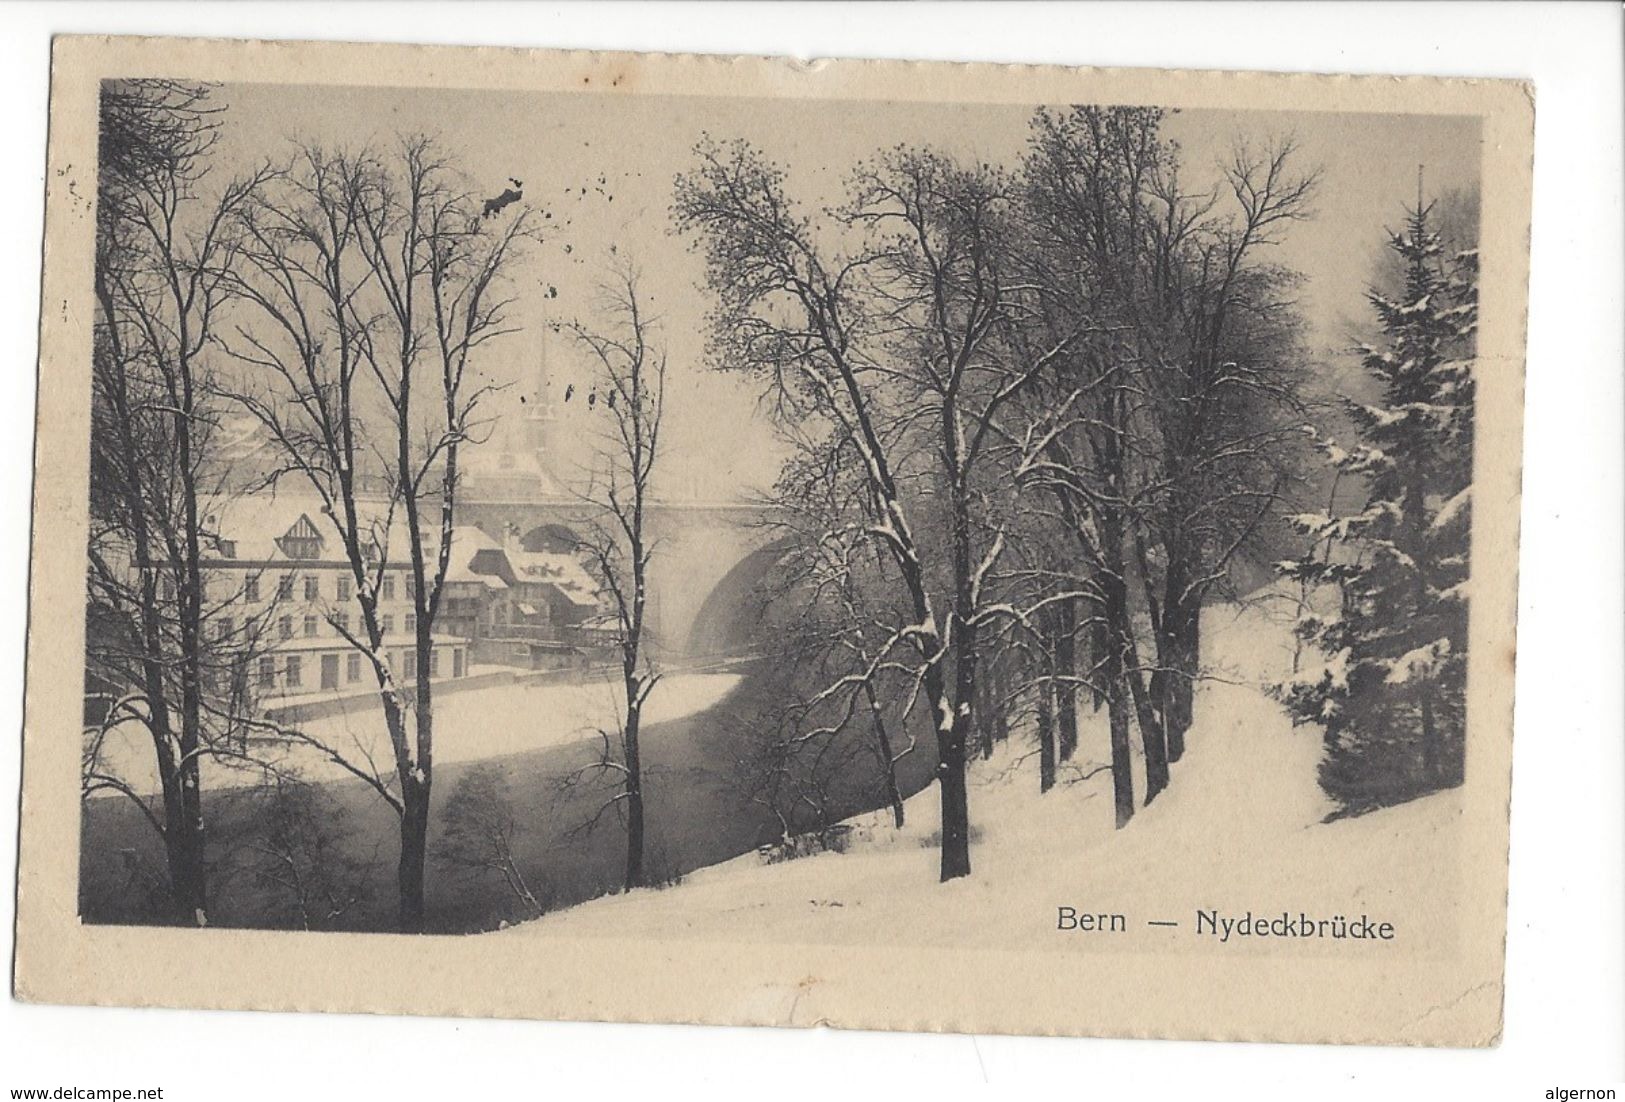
[{"x": 1389, "y": 613}]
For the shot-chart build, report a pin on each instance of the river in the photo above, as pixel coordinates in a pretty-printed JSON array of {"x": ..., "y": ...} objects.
[{"x": 343, "y": 843}]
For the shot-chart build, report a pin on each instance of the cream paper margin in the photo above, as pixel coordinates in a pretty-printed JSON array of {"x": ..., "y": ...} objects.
[{"x": 1455, "y": 1001}]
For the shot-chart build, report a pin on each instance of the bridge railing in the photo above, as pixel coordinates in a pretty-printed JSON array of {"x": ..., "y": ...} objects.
[
  {"x": 562, "y": 635},
  {"x": 533, "y": 633}
]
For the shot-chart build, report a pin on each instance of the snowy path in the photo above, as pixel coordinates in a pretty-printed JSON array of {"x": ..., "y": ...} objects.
[
  {"x": 1239, "y": 828},
  {"x": 470, "y": 726}
]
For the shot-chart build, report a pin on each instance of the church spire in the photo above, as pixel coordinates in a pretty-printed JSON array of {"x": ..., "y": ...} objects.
[{"x": 538, "y": 405}]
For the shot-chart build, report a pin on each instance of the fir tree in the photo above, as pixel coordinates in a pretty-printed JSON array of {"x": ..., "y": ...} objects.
[{"x": 1391, "y": 580}]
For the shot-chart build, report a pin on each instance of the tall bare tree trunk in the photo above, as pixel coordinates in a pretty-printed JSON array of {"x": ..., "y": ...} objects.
[
  {"x": 632, "y": 371},
  {"x": 413, "y": 812},
  {"x": 1151, "y": 735},
  {"x": 1099, "y": 646},
  {"x": 888, "y": 761},
  {"x": 1066, "y": 669},
  {"x": 1046, "y": 690},
  {"x": 190, "y": 886},
  {"x": 955, "y": 807},
  {"x": 1122, "y": 766},
  {"x": 1126, "y": 654},
  {"x": 985, "y": 732},
  {"x": 1178, "y": 651},
  {"x": 414, "y": 847},
  {"x": 634, "y": 795},
  {"x": 190, "y": 591},
  {"x": 178, "y": 778},
  {"x": 998, "y": 674},
  {"x": 966, "y": 656},
  {"x": 1109, "y": 688}
]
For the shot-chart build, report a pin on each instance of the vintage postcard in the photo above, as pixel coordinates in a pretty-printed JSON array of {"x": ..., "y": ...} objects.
[{"x": 727, "y": 540}]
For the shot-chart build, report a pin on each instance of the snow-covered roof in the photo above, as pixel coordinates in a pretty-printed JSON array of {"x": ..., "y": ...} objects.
[
  {"x": 460, "y": 570},
  {"x": 467, "y": 539},
  {"x": 468, "y": 543},
  {"x": 563, "y": 572},
  {"x": 268, "y": 527}
]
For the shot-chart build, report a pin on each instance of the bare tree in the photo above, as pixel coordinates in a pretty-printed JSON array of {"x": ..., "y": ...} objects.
[
  {"x": 166, "y": 247},
  {"x": 771, "y": 764},
  {"x": 1166, "y": 437},
  {"x": 630, "y": 372},
  {"x": 370, "y": 286},
  {"x": 1221, "y": 374},
  {"x": 294, "y": 846},
  {"x": 1075, "y": 452},
  {"x": 1085, "y": 184},
  {"x": 892, "y": 346},
  {"x": 835, "y": 578},
  {"x": 1036, "y": 681},
  {"x": 477, "y": 834}
]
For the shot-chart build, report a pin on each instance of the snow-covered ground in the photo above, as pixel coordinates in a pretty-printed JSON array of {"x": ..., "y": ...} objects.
[
  {"x": 1240, "y": 828},
  {"x": 469, "y": 726}
]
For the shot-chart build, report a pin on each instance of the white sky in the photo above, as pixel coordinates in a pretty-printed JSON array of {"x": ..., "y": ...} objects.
[{"x": 631, "y": 147}]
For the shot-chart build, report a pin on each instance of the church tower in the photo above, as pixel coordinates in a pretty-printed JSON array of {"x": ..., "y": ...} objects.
[{"x": 540, "y": 417}]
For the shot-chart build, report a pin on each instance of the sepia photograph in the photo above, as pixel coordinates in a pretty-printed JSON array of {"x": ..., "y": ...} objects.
[
  {"x": 581, "y": 513},
  {"x": 476, "y": 533}
]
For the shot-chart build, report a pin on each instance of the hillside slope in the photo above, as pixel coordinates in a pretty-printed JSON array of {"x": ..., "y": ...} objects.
[{"x": 1240, "y": 828}]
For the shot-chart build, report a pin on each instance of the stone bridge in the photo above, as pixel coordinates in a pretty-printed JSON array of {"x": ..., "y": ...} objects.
[{"x": 707, "y": 558}]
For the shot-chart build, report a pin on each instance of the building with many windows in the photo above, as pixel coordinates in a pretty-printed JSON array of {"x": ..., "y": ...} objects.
[
  {"x": 280, "y": 587},
  {"x": 552, "y": 593},
  {"x": 518, "y": 607},
  {"x": 479, "y": 582}
]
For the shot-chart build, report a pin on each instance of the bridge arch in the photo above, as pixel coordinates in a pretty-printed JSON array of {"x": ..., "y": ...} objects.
[
  {"x": 551, "y": 537},
  {"x": 696, "y": 546},
  {"x": 732, "y": 616}
]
